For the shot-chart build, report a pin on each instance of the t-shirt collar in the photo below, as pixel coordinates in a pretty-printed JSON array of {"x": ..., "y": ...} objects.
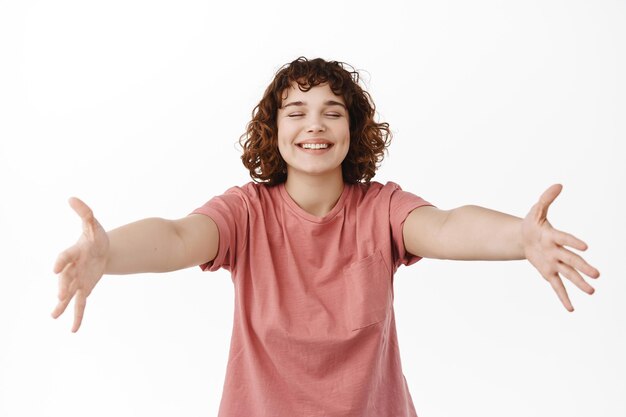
[{"x": 310, "y": 217}]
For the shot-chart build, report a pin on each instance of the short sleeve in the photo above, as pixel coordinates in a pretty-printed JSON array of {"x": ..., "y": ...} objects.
[
  {"x": 400, "y": 206},
  {"x": 230, "y": 214}
]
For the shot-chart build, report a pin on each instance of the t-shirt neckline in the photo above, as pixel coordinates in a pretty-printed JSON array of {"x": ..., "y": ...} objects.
[{"x": 310, "y": 217}]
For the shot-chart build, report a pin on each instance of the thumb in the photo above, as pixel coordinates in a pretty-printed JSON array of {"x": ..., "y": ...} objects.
[
  {"x": 80, "y": 208},
  {"x": 546, "y": 199},
  {"x": 85, "y": 213}
]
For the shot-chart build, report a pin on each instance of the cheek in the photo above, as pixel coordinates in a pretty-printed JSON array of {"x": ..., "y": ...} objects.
[
  {"x": 283, "y": 132},
  {"x": 345, "y": 131},
  {"x": 283, "y": 144}
]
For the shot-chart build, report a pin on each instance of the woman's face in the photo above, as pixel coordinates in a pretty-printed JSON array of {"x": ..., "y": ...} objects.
[{"x": 317, "y": 116}]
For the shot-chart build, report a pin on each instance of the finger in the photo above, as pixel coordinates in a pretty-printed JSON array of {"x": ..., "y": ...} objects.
[
  {"x": 61, "y": 306},
  {"x": 65, "y": 258},
  {"x": 68, "y": 282},
  {"x": 79, "y": 309},
  {"x": 65, "y": 281},
  {"x": 66, "y": 293},
  {"x": 546, "y": 199},
  {"x": 577, "y": 262},
  {"x": 80, "y": 208},
  {"x": 573, "y": 275},
  {"x": 558, "y": 286},
  {"x": 566, "y": 239},
  {"x": 85, "y": 213}
]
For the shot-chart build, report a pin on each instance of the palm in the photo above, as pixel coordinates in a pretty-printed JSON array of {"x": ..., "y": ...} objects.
[
  {"x": 81, "y": 266},
  {"x": 544, "y": 247}
]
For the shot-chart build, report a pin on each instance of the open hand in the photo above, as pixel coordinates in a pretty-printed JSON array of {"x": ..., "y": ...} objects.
[
  {"x": 544, "y": 247},
  {"x": 82, "y": 265}
]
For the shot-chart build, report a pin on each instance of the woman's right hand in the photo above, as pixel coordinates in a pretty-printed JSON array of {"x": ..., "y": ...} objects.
[{"x": 82, "y": 265}]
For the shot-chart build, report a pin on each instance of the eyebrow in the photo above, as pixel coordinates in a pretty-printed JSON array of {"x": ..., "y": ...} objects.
[{"x": 326, "y": 103}]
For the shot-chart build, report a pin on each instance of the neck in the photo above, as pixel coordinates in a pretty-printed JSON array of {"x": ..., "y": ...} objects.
[{"x": 316, "y": 195}]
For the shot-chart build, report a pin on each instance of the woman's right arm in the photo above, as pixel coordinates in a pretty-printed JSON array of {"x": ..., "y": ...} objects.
[
  {"x": 148, "y": 245},
  {"x": 161, "y": 245}
]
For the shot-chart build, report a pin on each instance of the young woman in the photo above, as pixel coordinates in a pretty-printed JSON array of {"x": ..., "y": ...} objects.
[{"x": 312, "y": 245}]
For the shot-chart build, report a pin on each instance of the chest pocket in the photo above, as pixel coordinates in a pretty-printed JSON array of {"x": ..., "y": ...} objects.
[{"x": 369, "y": 295}]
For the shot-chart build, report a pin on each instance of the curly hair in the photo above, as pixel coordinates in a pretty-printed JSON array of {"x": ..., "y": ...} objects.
[{"x": 368, "y": 139}]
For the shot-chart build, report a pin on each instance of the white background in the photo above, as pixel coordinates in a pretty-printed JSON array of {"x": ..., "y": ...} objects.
[{"x": 136, "y": 107}]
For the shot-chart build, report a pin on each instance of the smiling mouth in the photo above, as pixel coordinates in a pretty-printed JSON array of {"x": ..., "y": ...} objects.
[{"x": 315, "y": 147}]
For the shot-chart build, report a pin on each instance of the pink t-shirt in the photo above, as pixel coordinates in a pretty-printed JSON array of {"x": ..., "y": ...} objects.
[{"x": 314, "y": 331}]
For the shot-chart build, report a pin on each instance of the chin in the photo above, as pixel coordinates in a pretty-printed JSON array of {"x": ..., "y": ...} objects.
[{"x": 319, "y": 172}]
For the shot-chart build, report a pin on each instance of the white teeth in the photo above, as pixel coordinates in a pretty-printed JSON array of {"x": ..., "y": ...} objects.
[{"x": 315, "y": 145}]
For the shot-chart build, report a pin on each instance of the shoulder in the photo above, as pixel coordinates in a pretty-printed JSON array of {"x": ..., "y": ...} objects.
[
  {"x": 245, "y": 189},
  {"x": 388, "y": 197},
  {"x": 252, "y": 197},
  {"x": 249, "y": 191},
  {"x": 375, "y": 190},
  {"x": 375, "y": 186}
]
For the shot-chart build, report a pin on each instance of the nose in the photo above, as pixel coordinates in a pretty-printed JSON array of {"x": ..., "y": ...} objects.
[{"x": 316, "y": 126}]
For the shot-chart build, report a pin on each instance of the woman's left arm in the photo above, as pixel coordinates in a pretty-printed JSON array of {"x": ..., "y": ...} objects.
[{"x": 478, "y": 233}]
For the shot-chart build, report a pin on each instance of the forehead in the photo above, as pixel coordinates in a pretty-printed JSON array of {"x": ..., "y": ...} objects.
[{"x": 321, "y": 92}]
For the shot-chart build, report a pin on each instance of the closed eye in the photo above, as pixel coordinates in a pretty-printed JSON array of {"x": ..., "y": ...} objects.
[{"x": 327, "y": 114}]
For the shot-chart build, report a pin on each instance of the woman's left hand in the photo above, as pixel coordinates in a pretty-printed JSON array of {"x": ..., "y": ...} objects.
[{"x": 544, "y": 247}]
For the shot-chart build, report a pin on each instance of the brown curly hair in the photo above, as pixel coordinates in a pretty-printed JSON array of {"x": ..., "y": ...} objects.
[{"x": 368, "y": 139}]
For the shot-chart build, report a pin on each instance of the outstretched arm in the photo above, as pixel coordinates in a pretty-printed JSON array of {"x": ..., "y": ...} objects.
[
  {"x": 478, "y": 233},
  {"x": 148, "y": 245}
]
